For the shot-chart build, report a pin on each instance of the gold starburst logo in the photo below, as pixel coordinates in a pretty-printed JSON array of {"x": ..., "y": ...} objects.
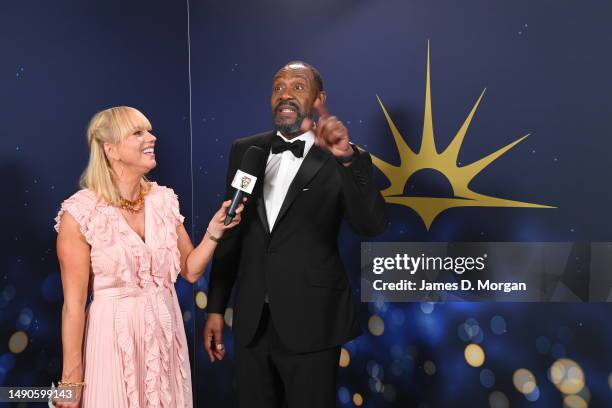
[{"x": 445, "y": 162}]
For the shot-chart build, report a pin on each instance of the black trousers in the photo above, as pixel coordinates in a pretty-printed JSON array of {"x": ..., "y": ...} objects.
[{"x": 271, "y": 376}]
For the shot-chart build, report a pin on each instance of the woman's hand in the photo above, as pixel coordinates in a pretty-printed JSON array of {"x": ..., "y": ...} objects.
[
  {"x": 194, "y": 260},
  {"x": 216, "y": 226}
]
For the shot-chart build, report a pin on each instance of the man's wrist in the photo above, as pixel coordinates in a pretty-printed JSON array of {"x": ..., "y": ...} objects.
[{"x": 349, "y": 158}]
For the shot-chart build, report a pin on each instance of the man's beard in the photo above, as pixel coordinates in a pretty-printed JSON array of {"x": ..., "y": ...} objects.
[{"x": 290, "y": 129}]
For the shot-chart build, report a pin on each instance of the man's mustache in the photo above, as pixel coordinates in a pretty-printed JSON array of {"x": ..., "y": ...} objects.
[{"x": 287, "y": 103}]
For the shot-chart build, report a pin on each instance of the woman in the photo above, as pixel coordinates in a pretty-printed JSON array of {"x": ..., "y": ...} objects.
[{"x": 129, "y": 233}]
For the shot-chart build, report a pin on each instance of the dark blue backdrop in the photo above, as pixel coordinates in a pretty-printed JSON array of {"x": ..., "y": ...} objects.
[
  {"x": 545, "y": 67},
  {"x": 61, "y": 63},
  {"x": 545, "y": 72}
]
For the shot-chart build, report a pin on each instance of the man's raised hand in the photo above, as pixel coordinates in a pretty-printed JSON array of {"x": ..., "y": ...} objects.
[{"x": 330, "y": 132}]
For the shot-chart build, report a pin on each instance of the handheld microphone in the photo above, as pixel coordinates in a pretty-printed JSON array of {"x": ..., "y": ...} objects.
[{"x": 245, "y": 178}]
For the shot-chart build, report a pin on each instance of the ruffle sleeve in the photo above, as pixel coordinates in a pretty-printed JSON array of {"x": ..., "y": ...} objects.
[
  {"x": 81, "y": 206},
  {"x": 175, "y": 208}
]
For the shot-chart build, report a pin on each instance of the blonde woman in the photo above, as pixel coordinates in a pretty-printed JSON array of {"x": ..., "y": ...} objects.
[{"x": 123, "y": 236}]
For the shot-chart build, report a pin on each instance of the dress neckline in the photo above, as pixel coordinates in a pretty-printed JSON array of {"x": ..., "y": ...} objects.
[{"x": 146, "y": 205}]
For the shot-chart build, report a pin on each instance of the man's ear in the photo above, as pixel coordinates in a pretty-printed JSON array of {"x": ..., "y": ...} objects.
[{"x": 322, "y": 97}]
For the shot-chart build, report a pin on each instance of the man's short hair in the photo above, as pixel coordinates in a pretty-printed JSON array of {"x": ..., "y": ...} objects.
[{"x": 315, "y": 72}]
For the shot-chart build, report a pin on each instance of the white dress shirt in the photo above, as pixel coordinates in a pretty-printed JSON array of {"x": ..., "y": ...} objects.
[{"x": 281, "y": 169}]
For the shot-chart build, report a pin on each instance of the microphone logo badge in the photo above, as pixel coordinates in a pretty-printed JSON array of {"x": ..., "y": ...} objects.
[{"x": 245, "y": 181}]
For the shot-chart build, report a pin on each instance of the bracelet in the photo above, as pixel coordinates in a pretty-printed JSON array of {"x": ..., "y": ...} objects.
[
  {"x": 212, "y": 237},
  {"x": 71, "y": 384}
]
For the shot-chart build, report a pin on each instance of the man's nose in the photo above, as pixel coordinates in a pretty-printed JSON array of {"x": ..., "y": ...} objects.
[{"x": 286, "y": 94}]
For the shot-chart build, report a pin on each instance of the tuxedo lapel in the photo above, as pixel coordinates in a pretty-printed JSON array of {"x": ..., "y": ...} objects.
[
  {"x": 312, "y": 163},
  {"x": 264, "y": 143},
  {"x": 261, "y": 210}
]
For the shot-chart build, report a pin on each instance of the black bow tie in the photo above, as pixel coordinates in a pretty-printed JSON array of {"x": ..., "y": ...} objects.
[{"x": 279, "y": 146}]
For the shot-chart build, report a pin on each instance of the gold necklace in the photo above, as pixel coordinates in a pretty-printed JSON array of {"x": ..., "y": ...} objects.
[{"x": 133, "y": 206}]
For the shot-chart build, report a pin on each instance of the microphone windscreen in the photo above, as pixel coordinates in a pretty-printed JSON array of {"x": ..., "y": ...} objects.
[{"x": 253, "y": 160}]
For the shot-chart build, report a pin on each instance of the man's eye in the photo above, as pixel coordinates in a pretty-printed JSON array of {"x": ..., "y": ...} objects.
[
  {"x": 299, "y": 87},
  {"x": 278, "y": 88}
]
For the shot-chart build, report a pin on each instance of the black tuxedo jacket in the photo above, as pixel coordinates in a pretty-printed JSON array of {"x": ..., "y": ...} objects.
[{"x": 297, "y": 264}]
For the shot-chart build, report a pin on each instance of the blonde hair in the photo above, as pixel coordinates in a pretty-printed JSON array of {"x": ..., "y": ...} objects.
[{"x": 111, "y": 125}]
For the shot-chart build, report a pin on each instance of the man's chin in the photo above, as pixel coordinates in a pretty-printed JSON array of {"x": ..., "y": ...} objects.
[{"x": 287, "y": 128}]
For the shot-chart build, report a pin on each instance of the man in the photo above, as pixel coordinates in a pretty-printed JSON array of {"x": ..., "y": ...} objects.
[{"x": 293, "y": 308}]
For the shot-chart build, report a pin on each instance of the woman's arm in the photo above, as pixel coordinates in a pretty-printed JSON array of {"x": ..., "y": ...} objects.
[
  {"x": 73, "y": 253},
  {"x": 194, "y": 260}
]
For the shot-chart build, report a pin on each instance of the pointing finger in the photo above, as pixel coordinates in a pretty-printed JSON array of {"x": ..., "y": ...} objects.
[
  {"x": 321, "y": 109},
  {"x": 307, "y": 124}
]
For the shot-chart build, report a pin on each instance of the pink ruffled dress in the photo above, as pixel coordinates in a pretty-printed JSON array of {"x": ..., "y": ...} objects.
[{"x": 135, "y": 352}]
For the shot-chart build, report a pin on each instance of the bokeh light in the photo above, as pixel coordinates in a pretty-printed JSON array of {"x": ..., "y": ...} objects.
[
  {"x": 574, "y": 401},
  {"x": 427, "y": 307},
  {"x": 498, "y": 325},
  {"x": 524, "y": 381},
  {"x": 498, "y": 399},
  {"x": 585, "y": 394},
  {"x": 376, "y": 325},
  {"x": 487, "y": 378},
  {"x": 343, "y": 395},
  {"x": 470, "y": 331},
  {"x": 534, "y": 395},
  {"x": 474, "y": 355},
  {"x": 567, "y": 376},
  {"x": 25, "y": 318},
  {"x": 18, "y": 342},
  {"x": 429, "y": 367},
  {"x": 345, "y": 358},
  {"x": 375, "y": 370},
  {"x": 357, "y": 399},
  {"x": 201, "y": 300},
  {"x": 375, "y": 385}
]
